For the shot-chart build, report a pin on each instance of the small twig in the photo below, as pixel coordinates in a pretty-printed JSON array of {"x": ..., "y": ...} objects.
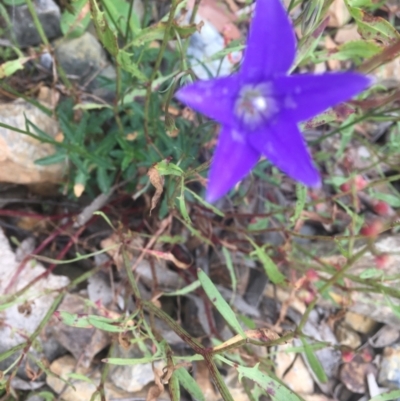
[{"x": 163, "y": 226}]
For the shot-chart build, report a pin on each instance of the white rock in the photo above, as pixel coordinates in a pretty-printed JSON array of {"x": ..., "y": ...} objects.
[
  {"x": 18, "y": 152},
  {"x": 38, "y": 298}
]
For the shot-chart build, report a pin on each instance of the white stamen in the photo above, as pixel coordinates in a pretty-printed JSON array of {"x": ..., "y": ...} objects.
[
  {"x": 260, "y": 103},
  {"x": 255, "y": 104}
]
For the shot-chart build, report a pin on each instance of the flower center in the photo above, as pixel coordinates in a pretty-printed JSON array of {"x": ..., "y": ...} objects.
[{"x": 255, "y": 104}]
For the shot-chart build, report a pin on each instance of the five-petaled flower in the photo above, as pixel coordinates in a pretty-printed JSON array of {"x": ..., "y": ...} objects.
[{"x": 260, "y": 106}]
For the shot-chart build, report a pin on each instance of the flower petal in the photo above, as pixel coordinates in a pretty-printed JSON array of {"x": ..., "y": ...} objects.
[
  {"x": 215, "y": 97},
  {"x": 283, "y": 144},
  {"x": 271, "y": 44},
  {"x": 233, "y": 159},
  {"x": 304, "y": 96}
]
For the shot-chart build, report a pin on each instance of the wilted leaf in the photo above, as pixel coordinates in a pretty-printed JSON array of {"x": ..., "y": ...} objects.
[
  {"x": 158, "y": 388},
  {"x": 375, "y": 28},
  {"x": 339, "y": 112},
  {"x": 262, "y": 335},
  {"x": 157, "y": 181}
]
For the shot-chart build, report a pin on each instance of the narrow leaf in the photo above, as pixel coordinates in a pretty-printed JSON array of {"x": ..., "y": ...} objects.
[
  {"x": 275, "y": 389},
  {"x": 314, "y": 362},
  {"x": 269, "y": 266},
  {"x": 219, "y": 302},
  {"x": 189, "y": 384}
]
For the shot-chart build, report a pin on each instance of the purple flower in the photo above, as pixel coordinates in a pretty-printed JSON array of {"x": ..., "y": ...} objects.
[{"x": 260, "y": 106}]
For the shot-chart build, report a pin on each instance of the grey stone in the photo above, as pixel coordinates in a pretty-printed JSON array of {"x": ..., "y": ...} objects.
[
  {"x": 389, "y": 374},
  {"x": 202, "y": 46},
  {"x": 85, "y": 61},
  {"x": 132, "y": 378},
  {"x": 24, "y": 29},
  {"x": 83, "y": 343}
]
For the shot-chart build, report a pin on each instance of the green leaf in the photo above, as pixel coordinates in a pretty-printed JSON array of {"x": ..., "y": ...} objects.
[
  {"x": 390, "y": 199},
  {"x": 75, "y": 24},
  {"x": 10, "y": 67},
  {"x": 185, "y": 290},
  {"x": 231, "y": 269},
  {"x": 52, "y": 159},
  {"x": 14, "y": 2},
  {"x": 275, "y": 389},
  {"x": 357, "y": 49},
  {"x": 371, "y": 273},
  {"x": 270, "y": 267},
  {"x": 164, "y": 167},
  {"x": 101, "y": 324},
  {"x": 301, "y": 194},
  {"x": 124, "y": 59},
  {"x": 129, "y": 362},
  {"x": 206, "y": 204},
  {"x": 219, "y": 302},
  {"x": 103, "y": 179},
  {"x": 47, "y": 395},
  {"x": 391, "y": 395},
  {"x": 72, "y": 319},
  {"x": 189, "y": 384},
  {"x": 174, "y": 389},
  {"x": 157, "y": 32},
  {"x": 314, "y": 362},
  {"x": 182, "y": 203},
  {"x": 117, "y": 13},
  {"x": 105, "y": 34},
  {"x": 78, "y": 376}
]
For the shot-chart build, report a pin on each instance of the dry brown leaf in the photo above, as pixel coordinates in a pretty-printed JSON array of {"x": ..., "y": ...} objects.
[
  {"x": 158, "y": 388},
  {"x": 157, "y": 180}
]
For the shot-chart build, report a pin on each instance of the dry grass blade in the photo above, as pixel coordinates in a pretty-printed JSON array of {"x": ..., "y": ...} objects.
[{"x": 157, "y": 181}]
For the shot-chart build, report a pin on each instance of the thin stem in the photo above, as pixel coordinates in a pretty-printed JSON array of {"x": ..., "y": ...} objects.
[
  {"x": 157, "y": 67},
  {"x": 37, "y": 23},
  {"x": 328, "y": 284}
]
